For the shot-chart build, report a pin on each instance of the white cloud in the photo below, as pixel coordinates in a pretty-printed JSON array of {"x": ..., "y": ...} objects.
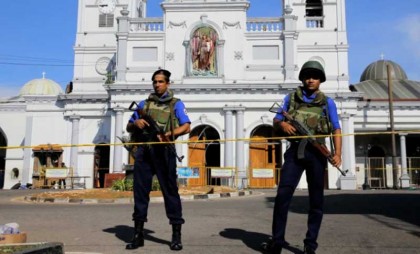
[{"x": 409, "y": 27}]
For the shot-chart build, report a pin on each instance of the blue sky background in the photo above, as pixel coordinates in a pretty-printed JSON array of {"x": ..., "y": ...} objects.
[{"x": 38, "y": 36}]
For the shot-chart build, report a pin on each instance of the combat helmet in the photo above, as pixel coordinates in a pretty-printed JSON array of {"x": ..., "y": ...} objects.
[{"x": 314, "y": 66}]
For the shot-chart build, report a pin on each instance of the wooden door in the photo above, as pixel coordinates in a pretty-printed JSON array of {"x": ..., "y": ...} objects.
[
  {"x": 196, "y": 158},
  {"x": 261, "y": 157}
]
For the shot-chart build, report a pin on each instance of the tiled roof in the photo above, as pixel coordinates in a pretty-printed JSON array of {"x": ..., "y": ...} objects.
[{"x": 378, "y": 89}]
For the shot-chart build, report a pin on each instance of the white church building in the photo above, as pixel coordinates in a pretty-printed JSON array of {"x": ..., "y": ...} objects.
[{"x": 228, "y": 69}]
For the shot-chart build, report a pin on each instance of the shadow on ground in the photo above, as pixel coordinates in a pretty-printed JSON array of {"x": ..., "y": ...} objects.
[
  {"x": 125, "y": 233},
  {"x": 252, "y": 240},
  {"x": 401, "y": 206}
]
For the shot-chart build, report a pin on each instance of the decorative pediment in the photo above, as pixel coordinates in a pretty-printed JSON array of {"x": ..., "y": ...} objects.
[
  {"x": 182, "y": 24},
  {"x": 236, "y": 25}
]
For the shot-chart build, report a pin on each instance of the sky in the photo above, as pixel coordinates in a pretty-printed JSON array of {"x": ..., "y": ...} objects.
[{"x": 38, "y": 36}]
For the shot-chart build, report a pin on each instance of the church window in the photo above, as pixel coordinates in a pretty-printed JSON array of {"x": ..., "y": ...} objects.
[
  {"x": 314, "y": 8},
  {"x": 106, "y": 20},
  {"x": 314, "y": 13}
]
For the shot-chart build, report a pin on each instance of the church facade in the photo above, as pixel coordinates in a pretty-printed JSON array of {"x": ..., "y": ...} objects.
[{"x": 228, "y": 69}]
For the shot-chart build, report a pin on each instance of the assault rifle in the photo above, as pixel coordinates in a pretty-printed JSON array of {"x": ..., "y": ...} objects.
[
  {"x": 303, "y": 131},
  {"x": 155, "y": 128}
]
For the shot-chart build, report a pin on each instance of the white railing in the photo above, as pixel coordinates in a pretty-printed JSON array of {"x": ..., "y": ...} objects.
[
  {"x": 264, "y": 24},
  {"x": 314, "y": 22},
  {"x": 146, "y": 25}
]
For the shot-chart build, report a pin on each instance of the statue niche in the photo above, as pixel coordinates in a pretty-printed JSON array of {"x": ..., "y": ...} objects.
[{"x": 203, "y": 52}]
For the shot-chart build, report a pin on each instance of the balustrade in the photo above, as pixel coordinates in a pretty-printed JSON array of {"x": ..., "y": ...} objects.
[
  {"x": 264, "y": 24},
  {"x": 147, "y": 25},
  {"x": 314, "y": 22}
]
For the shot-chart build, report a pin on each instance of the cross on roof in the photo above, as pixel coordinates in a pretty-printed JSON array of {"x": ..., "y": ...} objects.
[{"x": 382, "y": 56}]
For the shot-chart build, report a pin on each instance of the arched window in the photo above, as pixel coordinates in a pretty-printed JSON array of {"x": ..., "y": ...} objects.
[
  {"x": 314, "y": 14},
  {"x": 314, "y": 8}
]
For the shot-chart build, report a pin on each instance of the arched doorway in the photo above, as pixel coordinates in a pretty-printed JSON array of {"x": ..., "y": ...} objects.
[
  {"x": 413, "y": 160},
  {"x": 3, "y": 142},
  {"x": 376, "y": 167},
  {"x": 204, "y": 155},
  {"x": 264, "y": 158},
  {"x": 100, "y": 165}
]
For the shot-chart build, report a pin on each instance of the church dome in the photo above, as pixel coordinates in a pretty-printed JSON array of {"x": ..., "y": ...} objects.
[
  {"x": 41, "y": 86},
  {"x": 377, "y": 71}
]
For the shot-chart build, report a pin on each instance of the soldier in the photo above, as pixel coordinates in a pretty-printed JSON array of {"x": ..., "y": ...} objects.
[
  {"x": 170, "y": 114},
  {"x": 319, "y": 113}
]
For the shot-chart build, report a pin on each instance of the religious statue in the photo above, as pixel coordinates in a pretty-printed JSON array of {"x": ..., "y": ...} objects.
[
  {"x": 203, "y": 49},
  {"x": 140, "y": 8}
]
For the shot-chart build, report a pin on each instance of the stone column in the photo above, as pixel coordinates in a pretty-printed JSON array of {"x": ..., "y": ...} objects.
[
  {"x": 405, "y": 178},
  {"x": 289, "y": 37},
  {"x": 122, "y": 36},
  {"x": 133, "y": 14},
  {"x": 347, "y": 182},
  {"x": 241, "y": 171},
  {"x": 228, "y": 136},
  {"x": 27, "y": 152},
  {"x": 118, "y": 149},
  {"x": 75, "y": 119},
  {"x": 220, "y": 56},
  {"x": 188, "y": 64}
]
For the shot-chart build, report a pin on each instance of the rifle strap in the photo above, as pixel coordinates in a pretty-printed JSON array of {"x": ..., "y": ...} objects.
[
  {"x": 172, "y": 116},
  {"x": 329, "y": 127},
  {"x": 146, "y": 110},
  {"x": 301, "y": 148}
]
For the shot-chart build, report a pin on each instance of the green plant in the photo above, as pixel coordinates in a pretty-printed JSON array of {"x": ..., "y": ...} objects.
[
  {"x": 155, "y": 184},
  {"x": 127, "y": 185},
  {"x": 122, "y": 185}
]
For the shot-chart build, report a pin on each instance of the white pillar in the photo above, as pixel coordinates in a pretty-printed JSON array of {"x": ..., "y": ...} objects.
[
  {"x": 188, "y": 64},
  {"x": 74, "y": 142},
  {"x": 347, "y": 182},
  {"x": 27, "y": 152},
  {"x": 405, "y": 178},
  {"x": 122, "y": 36},
  {"x": 240, "y": 148},
  {"x": 118, "y": 149},
  {"x": 228, "y": 136},
  {"x": 220, "y": 56},
  {"x": 289, "y": 37}
]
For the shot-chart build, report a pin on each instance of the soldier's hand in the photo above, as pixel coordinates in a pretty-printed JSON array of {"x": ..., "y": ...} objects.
[
  {"x": 287, "y": 128},
  {"x": 336, "y": 161},
  {"x": 164, "y": 138},
  {"x": 141, "y": 123}
]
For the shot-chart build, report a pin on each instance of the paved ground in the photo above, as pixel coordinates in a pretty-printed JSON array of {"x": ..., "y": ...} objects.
[{"x": 372, "y": 221}]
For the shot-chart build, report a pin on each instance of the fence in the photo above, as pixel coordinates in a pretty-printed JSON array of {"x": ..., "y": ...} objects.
[{"x": 379, "y": 171}]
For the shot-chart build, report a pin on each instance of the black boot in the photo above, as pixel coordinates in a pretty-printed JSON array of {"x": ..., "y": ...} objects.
[
  {"x": 308, "y": 250},
  {"x": 270, "y": 247},
  {"x": 176, "y": 243},
  {"x": 138, "y": 239}
]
